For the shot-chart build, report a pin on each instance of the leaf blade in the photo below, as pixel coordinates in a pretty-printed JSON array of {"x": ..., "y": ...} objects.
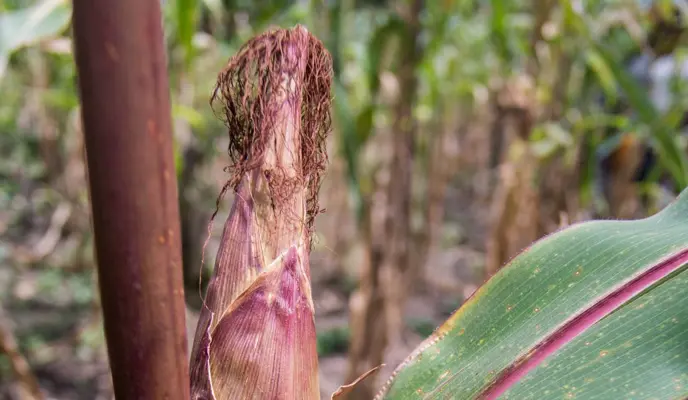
[
  {"x": 551, "y": 283},
  {"x": 577, "y": 326},
  {"x": 654, "y": 348},
  {"x": 30, "y": 25},
  {"x": 27, "y": 26}
]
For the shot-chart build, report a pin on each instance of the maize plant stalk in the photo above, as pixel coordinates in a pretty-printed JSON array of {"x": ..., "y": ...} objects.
[{"x": 256, "y": 336}]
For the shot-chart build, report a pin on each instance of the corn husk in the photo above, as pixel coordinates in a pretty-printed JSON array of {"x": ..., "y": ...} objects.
[{"x": 256, "y": 333}]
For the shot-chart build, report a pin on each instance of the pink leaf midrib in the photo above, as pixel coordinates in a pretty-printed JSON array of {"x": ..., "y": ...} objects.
[{"x": 580, "y": 323}]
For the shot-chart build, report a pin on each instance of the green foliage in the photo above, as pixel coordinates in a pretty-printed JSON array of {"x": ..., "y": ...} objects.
[
  {"x": 423, "y": 327},
  {"x": 466, "y": 45},
  {"x": 28, "y": 26},
  {"x": 499, "y": 29},
  {"x": 605, "y": 75},
  {"x": 549, "y": 138},
  {"x": 61, "y": 287},
  {"x": 636, "y": 351},
  {"x": 333, "y": 341},
  {"x": 356, "y": 118},
  {"x": 671, "y": 155},
  {"x": 572, "y": 277},
  {"x": 186, "y": 13}
]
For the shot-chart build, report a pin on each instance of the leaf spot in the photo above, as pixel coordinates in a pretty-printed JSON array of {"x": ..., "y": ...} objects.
[{"x": 444, "y": 375}]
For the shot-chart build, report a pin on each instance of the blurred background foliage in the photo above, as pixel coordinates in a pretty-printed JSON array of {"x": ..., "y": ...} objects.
[{"x": 463, "y": 130}]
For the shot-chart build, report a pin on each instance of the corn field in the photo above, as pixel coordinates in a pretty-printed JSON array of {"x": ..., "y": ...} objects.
[{"x": 317, "y": 197}]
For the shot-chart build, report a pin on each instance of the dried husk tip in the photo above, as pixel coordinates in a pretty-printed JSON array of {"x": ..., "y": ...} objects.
[{"x": 255, "y": 337}]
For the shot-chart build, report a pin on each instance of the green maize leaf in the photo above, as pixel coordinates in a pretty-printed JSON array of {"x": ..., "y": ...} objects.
[
  {"x": 24, "y": 27},
  {"x": 637, "y": 352},
  {"x": 671, "y": 156},
  {"x": 594, "y": 311},
  {"x": 186, "y": 15},
  {"x": 394, "y": 26},
  {"x": 364, "y": 124},
  {"x": 498, "y": 24},
  {"x": 604, "y": 74},
  {"x": 349, "y": 144}
]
